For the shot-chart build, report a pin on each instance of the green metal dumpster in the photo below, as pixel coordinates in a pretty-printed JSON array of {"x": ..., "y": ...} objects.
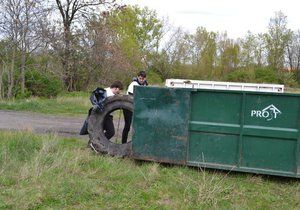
[{"x": 221, "y": 129}]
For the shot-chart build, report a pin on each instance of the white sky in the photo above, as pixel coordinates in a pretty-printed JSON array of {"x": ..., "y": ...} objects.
[{"x": 234, "y": 16}]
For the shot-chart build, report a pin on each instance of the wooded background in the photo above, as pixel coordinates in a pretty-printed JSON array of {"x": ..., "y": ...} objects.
[{"x": 70, "y": 45}]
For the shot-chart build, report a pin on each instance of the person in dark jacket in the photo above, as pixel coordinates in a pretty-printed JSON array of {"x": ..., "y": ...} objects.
[
  {"x": 97, "y": 99},
  {"x": 141, "y": 81}
]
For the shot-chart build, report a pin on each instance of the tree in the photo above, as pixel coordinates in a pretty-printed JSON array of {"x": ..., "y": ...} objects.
[
  {"x": 252, "y": 51},
  {"x": 248, "y": 47},
  {"x": 104, "y": 55},
  {"x": 32, "y": 12},
  {"x": 228, "y": 52},
  {"x": 277, "y": 40},
  {"x": 70, "y": 11},
  {"x": 204, "y": 50},
  {"x": 260, "y": 52},
  {"x": 172, "y": 55},
  {"x": 10, "y": 25},
  {"x": 4, "y": 61},
  {"x": 138, "y": 32},
  {"x": 293, "y": 53},
  {"x": 19, "y": 25}
]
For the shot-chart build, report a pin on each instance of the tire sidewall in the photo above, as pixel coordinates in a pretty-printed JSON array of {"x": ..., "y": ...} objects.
[{"x": 96, "y": 121}]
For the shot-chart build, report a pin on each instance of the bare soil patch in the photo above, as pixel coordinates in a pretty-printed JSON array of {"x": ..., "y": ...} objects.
[{"x": 41, "y": 123}]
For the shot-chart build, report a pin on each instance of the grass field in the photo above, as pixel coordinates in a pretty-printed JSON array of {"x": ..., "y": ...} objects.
[
  {"x": 45, "y": 171},
  {"x": 72, "y": 104}
]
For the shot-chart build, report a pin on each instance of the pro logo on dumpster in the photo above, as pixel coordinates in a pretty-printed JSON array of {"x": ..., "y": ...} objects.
[{"x": 269, "y": 113}]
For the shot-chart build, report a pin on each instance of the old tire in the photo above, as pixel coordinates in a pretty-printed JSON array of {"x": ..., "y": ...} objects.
[{"x": 95, "y": 126}]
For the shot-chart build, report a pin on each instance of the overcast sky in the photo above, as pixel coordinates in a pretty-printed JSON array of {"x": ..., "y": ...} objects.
[{"x": 234, "y": 16}]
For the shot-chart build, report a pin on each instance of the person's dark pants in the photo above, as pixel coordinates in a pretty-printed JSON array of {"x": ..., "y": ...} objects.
[
  {"x": 127, "y": 119},
  {"x": 109, "y": 127}
]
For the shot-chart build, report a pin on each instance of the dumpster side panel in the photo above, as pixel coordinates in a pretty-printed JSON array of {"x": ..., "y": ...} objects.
[
  {"x": 243, "y": 131},
  {"x": 221, "y": 107},
  {"x": 270, "y": 132},
  {"x": 278, "y": 111},
  {"x": 232, "y": 130},
  {"x": 213, "y": 148},
  {"x": 269, "y": 153},
  {"x": 214, "y": 127},
  {"x": 160, "y": 124}
]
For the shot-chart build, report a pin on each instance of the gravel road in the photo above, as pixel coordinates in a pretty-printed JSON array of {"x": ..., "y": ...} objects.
[{"x": 41, "y": 123}]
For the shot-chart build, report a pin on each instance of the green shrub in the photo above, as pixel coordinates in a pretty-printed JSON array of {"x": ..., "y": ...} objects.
[
  {"x": 42, "y": 84},
  {"x": 266, "y": 75},
  {"x": 239, "y": 76},
  {"x": 288, "y": 79},
  {"x": 185, "y": 72},
  {"x": 20, "y": 95},
  {"x": 154, "y": 78}
]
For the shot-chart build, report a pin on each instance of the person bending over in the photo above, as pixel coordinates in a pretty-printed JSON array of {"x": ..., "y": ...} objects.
[{"x": 108, "y": 125}]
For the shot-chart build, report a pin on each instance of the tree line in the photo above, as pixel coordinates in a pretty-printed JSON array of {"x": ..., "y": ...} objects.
[{"x": 72, "y": 45}]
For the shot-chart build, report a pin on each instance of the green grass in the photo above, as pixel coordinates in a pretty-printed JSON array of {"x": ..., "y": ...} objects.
[
  {"x": 76, "y": 103},
  {"x": 45, "y": 171}
]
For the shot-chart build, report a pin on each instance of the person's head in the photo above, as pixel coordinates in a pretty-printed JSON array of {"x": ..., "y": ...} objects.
[
  {"x": 116, "y": 87},
  {"x": 142, "y": 77}
]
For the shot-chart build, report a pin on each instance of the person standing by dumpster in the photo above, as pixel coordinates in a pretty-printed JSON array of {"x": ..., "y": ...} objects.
[
  {"x": 108, "y": 125},
  {"x": 140, "y": 80}
]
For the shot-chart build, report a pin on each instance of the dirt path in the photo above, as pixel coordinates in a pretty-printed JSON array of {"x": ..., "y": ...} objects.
[{"x": 41, "y": 123}]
